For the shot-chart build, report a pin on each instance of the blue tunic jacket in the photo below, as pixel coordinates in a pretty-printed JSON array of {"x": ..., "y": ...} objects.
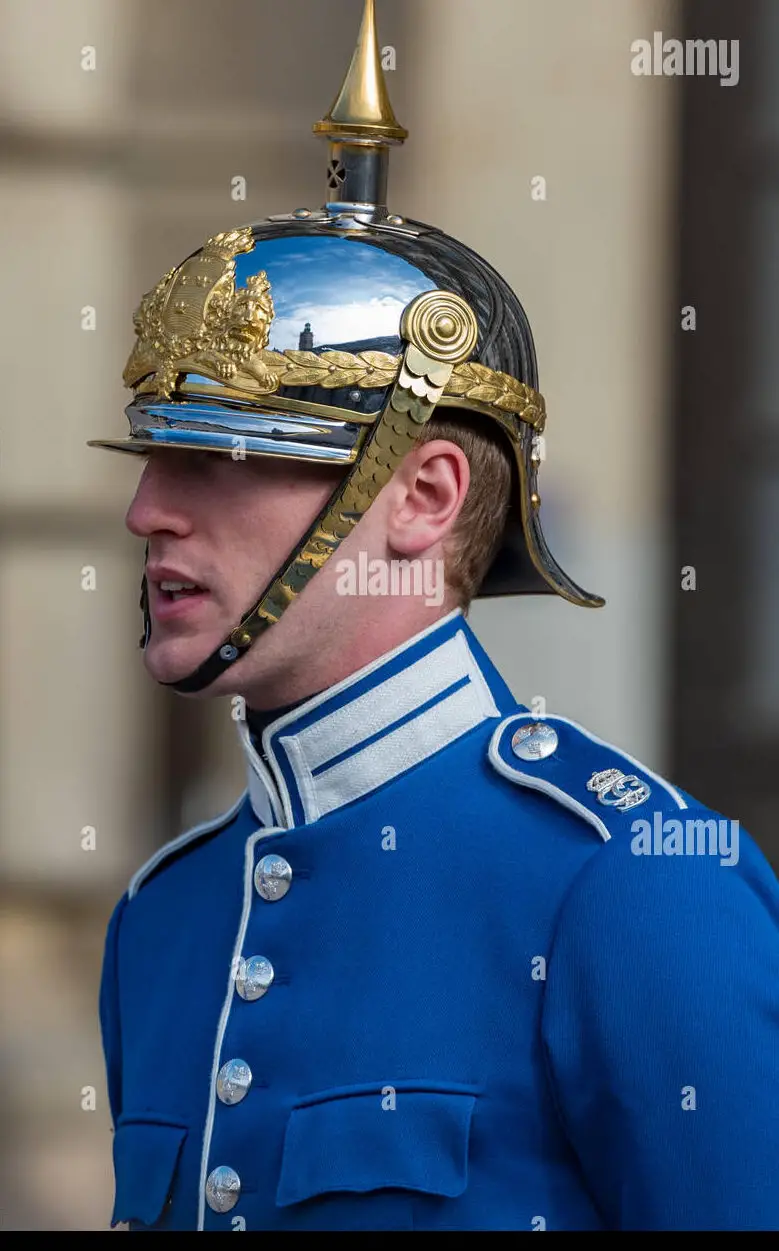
[{"x": 446, "y": 967}]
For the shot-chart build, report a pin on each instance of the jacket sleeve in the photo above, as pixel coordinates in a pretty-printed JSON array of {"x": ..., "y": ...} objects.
[
  {"x": 661, "y": 1033},
  {"x": 110, "y": 1025}
]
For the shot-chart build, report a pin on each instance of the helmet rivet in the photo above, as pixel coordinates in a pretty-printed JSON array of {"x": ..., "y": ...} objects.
[
  {"x": 535, "y": 500},
  {"x": 228, "y": 652},
  {"x": 331, "y": 369},
  {"x": 302, "y": 212},
  {"x": 355, "y": 396},
  {"x": 394, "y": 220},
  {"x": 243, "y": 638},
  {"x": 445, "y": 327}
]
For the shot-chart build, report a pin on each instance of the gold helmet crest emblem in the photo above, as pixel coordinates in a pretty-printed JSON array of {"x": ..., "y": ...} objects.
[{"x": 195, "y": 321}]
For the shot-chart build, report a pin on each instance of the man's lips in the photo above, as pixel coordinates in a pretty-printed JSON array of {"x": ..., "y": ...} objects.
[
  {"x": 169, "y": 573},
  {"x": 167, "y": 605}
]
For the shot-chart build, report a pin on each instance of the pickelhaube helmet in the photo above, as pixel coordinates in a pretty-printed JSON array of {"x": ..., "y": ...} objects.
[{"x": 332, "y": 335}]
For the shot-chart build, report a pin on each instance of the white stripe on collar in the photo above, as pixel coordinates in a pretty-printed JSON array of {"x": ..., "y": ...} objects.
[{"x": 388, "y": 717}]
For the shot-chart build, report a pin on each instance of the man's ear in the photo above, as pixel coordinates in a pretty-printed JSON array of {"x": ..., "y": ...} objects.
[{"x": 430, "y": 486}]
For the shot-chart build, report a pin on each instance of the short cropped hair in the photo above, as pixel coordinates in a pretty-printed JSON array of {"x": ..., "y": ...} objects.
[{"x": 478, "y": 530}]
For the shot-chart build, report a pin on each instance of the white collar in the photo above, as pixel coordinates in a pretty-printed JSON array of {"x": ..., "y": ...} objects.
[{"x": 374, "y": 726}]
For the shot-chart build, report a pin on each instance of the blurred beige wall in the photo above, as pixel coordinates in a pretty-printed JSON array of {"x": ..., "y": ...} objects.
[{"x": 110, "y": 177}]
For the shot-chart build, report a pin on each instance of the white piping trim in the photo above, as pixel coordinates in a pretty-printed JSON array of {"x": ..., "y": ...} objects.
[
  {"x": 259, "y": 799},
  {"x": 538, "y": 784},
  {"x": 222, "y": 1026},
  {"x": 261, "y": 782},
  {"x": 478, "y": 681},
  {"x": 672, "y": 791},
  {"x": 181, "y": 841},
  {"x": 547, "y": 788},
  {"x": 303, "y": 777}
]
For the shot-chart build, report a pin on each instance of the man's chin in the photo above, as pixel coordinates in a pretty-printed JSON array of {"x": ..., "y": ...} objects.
[{"x": 171, "y": 660}]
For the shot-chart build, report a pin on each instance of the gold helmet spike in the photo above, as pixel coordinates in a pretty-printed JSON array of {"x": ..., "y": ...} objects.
[
  {"x": 362, "y": 108},
  {"x": 360, "y": 125}
]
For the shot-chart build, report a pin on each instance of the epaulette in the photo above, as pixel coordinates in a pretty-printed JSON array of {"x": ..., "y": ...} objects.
[
  {"x": 169, "y": 849},
  {"x": 602, "y": 784}
]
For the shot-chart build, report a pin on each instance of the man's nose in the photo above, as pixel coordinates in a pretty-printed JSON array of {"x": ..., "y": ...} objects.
[{"x": 156, "y": 505}]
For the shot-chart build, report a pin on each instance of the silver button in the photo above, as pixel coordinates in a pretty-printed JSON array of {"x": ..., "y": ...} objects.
[
  {"x": 223, "y": 1189},
  {"x": 254, "y": 977},
  {"x": 534, "y": 741},
  {"x": 272, "y": 877},
  {"x": 233, "y": 1081}
]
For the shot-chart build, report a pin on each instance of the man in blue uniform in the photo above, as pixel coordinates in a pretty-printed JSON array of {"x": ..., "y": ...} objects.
[{"x": 445, "y": 965}]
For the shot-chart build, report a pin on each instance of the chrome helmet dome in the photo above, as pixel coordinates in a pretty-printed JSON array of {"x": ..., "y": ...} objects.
[{"x": 333, "y": 335}]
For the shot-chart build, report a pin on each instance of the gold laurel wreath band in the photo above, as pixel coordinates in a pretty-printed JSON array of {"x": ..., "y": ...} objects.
[{"x": 329, "y": 370}]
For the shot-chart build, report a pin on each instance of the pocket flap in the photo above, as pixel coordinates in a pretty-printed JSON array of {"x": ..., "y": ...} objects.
[
  {"x": 145, "y": 1157},
  {"x": 412, "y": 1140}
]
